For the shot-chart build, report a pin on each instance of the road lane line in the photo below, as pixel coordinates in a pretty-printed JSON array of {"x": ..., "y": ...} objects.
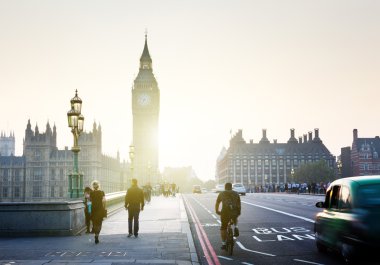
[
  {"x": 246, "y": 263},
  {"x": 223, "y": 257},
  {"x": 309, "y": 262},
  {"x": 250, "y": 250},
  {"x": 277, "y": 211},
  {"x": 203, "y": 233}
]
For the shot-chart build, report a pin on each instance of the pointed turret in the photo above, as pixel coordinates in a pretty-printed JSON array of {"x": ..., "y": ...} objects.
[
  {"x": 36, "y": 132},
  {"x": 145, "y": 60}
]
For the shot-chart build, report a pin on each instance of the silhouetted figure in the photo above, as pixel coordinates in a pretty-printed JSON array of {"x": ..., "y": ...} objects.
[
  {"x": 98, "y": 210},
  {"x": 134, "y": 202}
]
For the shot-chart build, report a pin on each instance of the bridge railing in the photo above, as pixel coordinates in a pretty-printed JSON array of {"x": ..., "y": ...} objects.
[{"x": 49, "y": 218}]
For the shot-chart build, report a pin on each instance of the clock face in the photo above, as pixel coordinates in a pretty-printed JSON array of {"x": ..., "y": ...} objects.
[{"x": 143, "y": 99}]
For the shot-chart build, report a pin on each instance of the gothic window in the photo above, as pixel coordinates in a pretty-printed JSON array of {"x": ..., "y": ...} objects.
[
  {"x": 5, "y": 192},
  {"x": 52, "y": 174},
  {"x": 52, "y": 191},
  {"x": 37, "y": 155},
  {"x": 17, "y": 192},
  {"x": 37, "y": 174},
  {"x": 37, "y": 191},
  {"x": 17, "y": 175}
]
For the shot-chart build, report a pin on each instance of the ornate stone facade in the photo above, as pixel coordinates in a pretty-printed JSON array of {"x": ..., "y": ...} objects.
[
  {"x": 7, "y": 144},
  {"x": 41, "y": 173},
  {"x": 268, "y": 163}
]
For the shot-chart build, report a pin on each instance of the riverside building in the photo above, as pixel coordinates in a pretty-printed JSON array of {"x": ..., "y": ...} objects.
[{"x": 265, "y": 162}]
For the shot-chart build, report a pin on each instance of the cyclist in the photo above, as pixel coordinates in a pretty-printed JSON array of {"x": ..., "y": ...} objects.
[{"x": 231, "y": 209}]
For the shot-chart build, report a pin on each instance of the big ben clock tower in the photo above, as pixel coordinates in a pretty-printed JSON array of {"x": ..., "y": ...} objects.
[{"x": 145, "y": 110}]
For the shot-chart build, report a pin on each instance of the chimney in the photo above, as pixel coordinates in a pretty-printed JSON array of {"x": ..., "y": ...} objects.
[
  {"x": 292, "y": 139},
  {"x": 251, "y": 141},
  {"x": 316, "y": 133},
  {"x": 305, "y": 138},
  {"x": 264, "y": 139},
  {"x": 310, "y": 136},
  {"x": 300, "y": 140},
  {"x": 355, "y": 134},
  {"x": 275, "y": 141}
]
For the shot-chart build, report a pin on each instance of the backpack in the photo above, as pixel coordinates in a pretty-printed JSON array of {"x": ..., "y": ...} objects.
[{"x": 230, "y": 203}]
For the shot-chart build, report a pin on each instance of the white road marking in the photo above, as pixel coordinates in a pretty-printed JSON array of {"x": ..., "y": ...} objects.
[
  {"x": 250, "y": 250},
  {"x": 223, "y": 257},
  {"x": 277, "y": 211},
  {"x": 246, "y": 263},
  {"x": 309, "y": 262},
  {"x": 213, "y": 215}
]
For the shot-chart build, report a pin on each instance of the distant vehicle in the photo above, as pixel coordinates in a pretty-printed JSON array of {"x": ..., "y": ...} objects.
[
  {"x": 197, "y": 189},
  {"x": 349, "y": 222},
  {"x": 239, "y": 188},
  {"x": 204, "y": 190},
  {"x": 219, "y": 188}
]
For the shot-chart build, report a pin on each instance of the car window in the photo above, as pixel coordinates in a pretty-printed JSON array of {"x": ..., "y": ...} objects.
[
  {"x": 335, "y": 197},
  {"x": 369, "y": 195},
  {"x": 345, "y": 198},
  {"x": 327, "y": 199}
]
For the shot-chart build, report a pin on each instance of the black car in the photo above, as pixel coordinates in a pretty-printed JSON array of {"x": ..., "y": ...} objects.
[{"x": 350, "y": 220}]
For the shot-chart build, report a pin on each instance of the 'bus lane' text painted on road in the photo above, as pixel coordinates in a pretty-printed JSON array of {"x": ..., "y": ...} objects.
[{"x": 282, "y": 234}]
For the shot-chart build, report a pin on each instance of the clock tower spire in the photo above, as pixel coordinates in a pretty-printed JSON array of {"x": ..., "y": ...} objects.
[
  {"x": 145, "y": 60},
  {"x": 145, "y": 110}
]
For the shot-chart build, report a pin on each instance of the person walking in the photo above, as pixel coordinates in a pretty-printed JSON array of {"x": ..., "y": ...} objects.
[
  {"x": 134, "y": 202},
  {"x": 98, "y": 210},
  {"x": 231, "y": 209},
  {"x": 87, "y": 208}
]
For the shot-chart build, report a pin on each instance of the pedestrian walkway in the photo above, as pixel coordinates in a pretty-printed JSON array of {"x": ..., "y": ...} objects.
[{"x": 164, "y": 238}]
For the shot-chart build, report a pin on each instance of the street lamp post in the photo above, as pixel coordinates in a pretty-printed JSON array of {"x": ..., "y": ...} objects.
[
  {"x": 131, "y": 157},
  {"x": 76, "y": 121}
]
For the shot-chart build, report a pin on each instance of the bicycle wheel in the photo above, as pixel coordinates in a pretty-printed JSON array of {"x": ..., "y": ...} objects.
[{"x": 230, "y": 241}]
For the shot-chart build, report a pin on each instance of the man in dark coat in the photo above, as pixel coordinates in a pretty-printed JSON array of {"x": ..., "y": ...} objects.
[{"x": 134, "y": 202}]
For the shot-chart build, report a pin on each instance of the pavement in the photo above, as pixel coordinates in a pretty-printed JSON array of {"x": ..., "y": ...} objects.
[{"x": 164, "y": 238}]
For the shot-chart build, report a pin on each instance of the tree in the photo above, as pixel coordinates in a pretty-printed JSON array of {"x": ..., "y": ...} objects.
[
  {"x": 210, "y": 184},
  {"x": 314, "y": 172}
]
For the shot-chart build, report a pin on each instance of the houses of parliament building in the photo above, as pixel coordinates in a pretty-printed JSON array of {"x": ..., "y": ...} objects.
[{"x": 41, "y": 173}]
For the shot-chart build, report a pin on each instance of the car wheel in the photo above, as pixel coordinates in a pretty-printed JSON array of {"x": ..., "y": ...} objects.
[
  {"x": 321, "y": 247},
  {"x": 346, "y": 251}
]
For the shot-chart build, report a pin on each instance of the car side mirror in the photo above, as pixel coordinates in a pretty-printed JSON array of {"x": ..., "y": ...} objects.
[{"x": 320, "y": 205}]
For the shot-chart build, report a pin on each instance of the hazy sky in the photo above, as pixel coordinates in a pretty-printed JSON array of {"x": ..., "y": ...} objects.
[{"x": 220, "y": 65}]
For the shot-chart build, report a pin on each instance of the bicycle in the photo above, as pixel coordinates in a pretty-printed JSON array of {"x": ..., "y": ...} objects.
[{"x": 230, "y": 242}]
